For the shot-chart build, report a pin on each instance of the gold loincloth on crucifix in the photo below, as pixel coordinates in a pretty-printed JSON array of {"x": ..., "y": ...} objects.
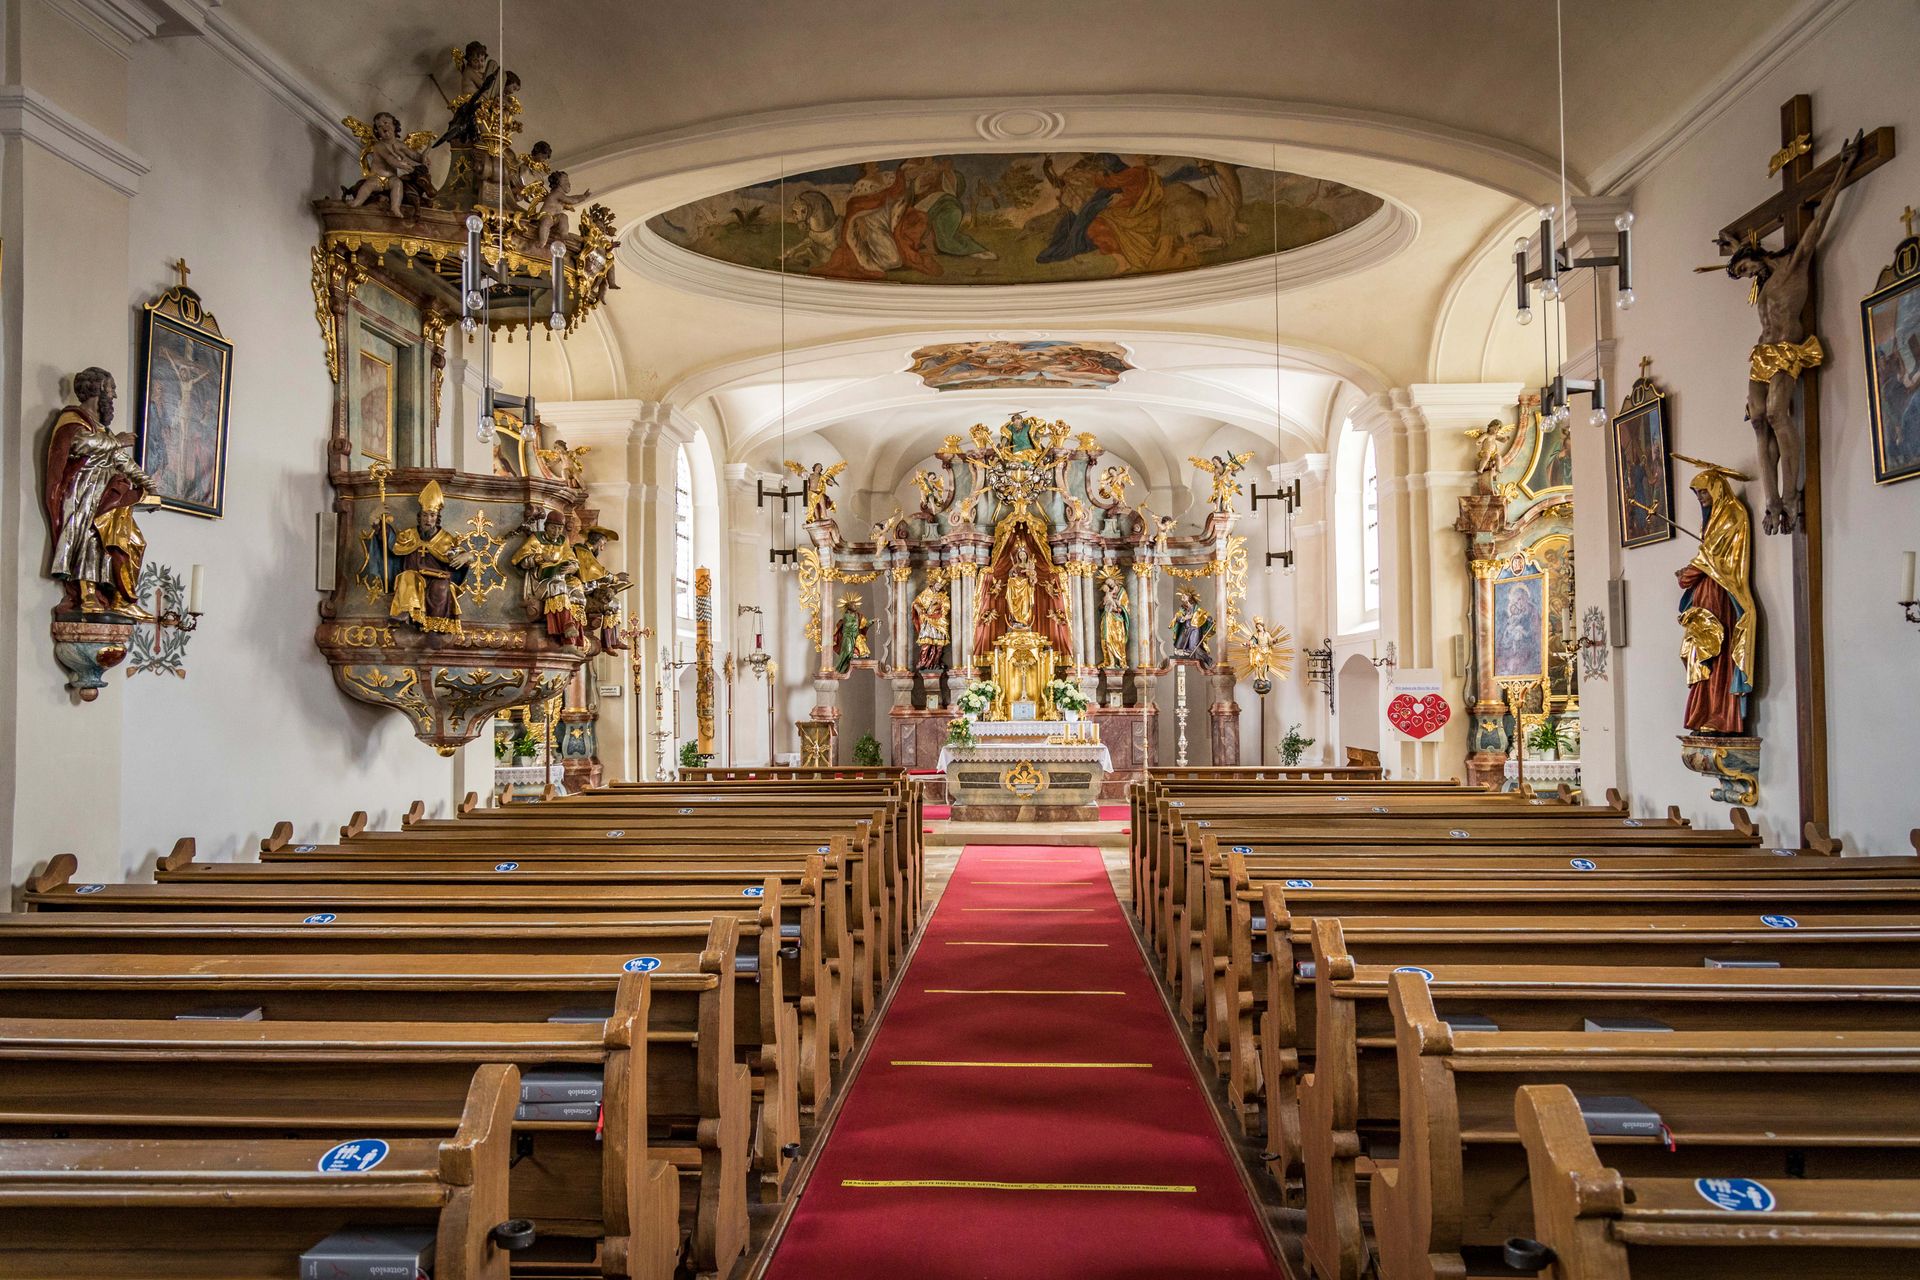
[
  {"x": 1790, "y": 358},
  {"x": 1022, "y": 665}
]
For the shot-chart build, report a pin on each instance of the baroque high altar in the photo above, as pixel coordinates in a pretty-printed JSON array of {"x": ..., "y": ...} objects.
[{"x": 1023, "y": 565}]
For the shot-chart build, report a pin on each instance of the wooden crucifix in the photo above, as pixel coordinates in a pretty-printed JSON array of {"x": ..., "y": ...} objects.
[{"x": 1787, "y": 358}]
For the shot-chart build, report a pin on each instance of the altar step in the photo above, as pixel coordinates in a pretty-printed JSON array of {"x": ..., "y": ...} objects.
[{"x": 1100, "y": 835}]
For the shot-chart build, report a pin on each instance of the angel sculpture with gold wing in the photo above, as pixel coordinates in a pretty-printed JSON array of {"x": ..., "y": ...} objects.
[
  {"x": 1111, "y": 490},
  {"x": 1224, "y": 469},
  {"x": 563, "y": 463},
  {"x": 815, "y": 481},
  {"x": 935, "y": 495},
  {"x": 390, "y": 162},
  {"x": 1490, "y": 442}
]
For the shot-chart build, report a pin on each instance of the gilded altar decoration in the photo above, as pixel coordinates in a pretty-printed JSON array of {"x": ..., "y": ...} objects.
[
  {"x": 1719, "y": 619},
  {"x": 1023, "y": 779},
  {"x": 1192, "y": 626},
  {"x": 1021, "y": 669},
  {"x": 815, "y": 481},
  {"x": 703, "y": 681},
  {"x": 1225, "y": 469}
]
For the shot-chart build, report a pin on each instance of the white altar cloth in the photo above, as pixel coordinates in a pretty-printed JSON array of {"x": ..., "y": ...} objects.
[{"x": 1038, "y": 752}]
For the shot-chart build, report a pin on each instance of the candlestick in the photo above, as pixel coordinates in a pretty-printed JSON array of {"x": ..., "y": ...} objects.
[
  {"x": 198, "y": 577},
  {"x": 1907, "y": 583}
]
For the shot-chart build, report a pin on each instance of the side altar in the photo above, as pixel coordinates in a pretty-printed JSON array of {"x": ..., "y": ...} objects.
[{"x": 1027, "y": 771}]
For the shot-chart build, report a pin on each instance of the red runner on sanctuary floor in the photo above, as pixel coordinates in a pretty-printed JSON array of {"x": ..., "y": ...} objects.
[{"x": 1026, "y": 1108}]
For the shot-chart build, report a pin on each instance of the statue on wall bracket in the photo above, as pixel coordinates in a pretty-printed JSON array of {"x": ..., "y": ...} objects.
[
  {"x": 1116, "y": 619},
  {"x": 850, "y": 634},
  {"x": 92, "y": 486},
  {"x": 932, "y": 623},
  {"x": 1719, "y": 639}
]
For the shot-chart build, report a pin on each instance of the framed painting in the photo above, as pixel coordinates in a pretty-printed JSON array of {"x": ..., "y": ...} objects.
[
  {"x": 1643, "y": 467},
  {"x": 1891, "y": 317},
  {"x": 373, "y": 385},
  {"x": 186, "y": 392},
  {"x": 1520, "y": 626},
  {"x": 1550, "y": 469}
]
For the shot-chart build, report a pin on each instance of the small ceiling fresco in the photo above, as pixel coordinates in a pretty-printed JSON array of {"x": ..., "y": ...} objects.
[
  {"x": 1019, "y": 218},
  {"x": 1023, "y": 366}
]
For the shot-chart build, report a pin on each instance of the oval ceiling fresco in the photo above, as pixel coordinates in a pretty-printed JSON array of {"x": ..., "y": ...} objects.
[{"x": 1014, "y": 218}]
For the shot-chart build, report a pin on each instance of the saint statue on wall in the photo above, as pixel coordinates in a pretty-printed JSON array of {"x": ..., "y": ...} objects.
[
  {"x": 1116, "y": 621},
  {"x": 1191, "y": 626},
  {"x": 1719, "y": 620},
  {"x": 932, "y": 626},
  {"x": 850, "y": 635},
  {"x": 92, "y": 487}
]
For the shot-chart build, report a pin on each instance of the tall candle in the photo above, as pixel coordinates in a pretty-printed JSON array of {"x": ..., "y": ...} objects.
[
  {"x": 1906, "y": 591},
  {"x": 196, "y": 581}
]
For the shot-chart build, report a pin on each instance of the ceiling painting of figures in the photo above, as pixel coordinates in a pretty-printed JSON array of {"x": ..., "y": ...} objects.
[
  {"x": 1000, "y": 366},
  {"x": 1008, "y": 219}
]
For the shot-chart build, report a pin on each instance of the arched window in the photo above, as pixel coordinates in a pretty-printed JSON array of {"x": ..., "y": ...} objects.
[
  {"x": 682, "y": 536},
  {"x": 1369, "y": 531},
  {"x": 1357, "y": 530}
]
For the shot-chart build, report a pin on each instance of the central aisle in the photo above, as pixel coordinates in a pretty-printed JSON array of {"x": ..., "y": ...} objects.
[{"x": 1026, "y": 1108}]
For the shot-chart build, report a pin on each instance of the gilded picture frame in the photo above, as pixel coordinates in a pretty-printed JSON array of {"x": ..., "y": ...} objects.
[
  {"x": 375, "y": 382},
  {"x": 186, "y": 397},
  {"x": 1643, "y": 467},
  {"x": 1890, "y": 325},
  {"x": 1519, "y": 640}
]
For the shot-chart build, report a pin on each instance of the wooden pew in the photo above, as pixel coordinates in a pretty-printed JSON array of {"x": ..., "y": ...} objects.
[
  {"x": 1777, "y": 1103},
  {"x": 766, "y": 1026},
  {"x": 580, "y": 1184},
  {"x": 691, "y": 997},
  {"x": 585, "y": 869},
  {"x": 53, "y": 891},
  {"x": 784, "y": 1013},
  {"x": 240, "y": 1206},
  {"x": 1353, "y": 1094},
  {"x": 1597, "y": 1223}
]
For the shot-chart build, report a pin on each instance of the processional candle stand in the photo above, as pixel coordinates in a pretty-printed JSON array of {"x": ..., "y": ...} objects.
[{"x": 1517, "y": 691}]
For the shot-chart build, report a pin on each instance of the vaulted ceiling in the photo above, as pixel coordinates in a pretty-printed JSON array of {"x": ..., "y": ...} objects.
[{"x": 1444, "y": 110}]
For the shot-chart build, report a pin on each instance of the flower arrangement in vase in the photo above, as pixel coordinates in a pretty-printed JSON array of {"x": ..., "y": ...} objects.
[{"x": 1069, "y": 697}]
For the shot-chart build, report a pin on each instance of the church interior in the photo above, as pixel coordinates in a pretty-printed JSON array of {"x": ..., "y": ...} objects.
[{"x": 764, "y": 642}]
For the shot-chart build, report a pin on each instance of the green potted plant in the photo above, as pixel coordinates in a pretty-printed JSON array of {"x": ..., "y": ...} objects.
[
  {"x": 1294, "y": 745},
  {"x": 502, "y": 745},
  {"x": 526, "y": 747},
  {"x": 866, "y": 752},
  {"x": 1549, "y": 736},
  {"x": 691, "y": 757}
]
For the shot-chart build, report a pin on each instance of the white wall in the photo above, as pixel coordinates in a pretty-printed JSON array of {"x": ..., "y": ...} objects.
[
  {"x": 1698, "y": 329},
  {"x": 257, "y": 731}
]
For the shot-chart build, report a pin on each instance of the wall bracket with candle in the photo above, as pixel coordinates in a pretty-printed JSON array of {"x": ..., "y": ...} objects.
[
  {"x": 1910, "y": 598},
  {"x": 160, "y": 645}
]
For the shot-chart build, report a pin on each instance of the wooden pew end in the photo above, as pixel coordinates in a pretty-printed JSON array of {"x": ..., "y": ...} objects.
[
  {"x": 181, "y": 855},
  {"x": 355, "y": 825},
  {"x": 1676, "y": 817},
  {"x": 469, "y": 802},
  {"x": 1615, "y": 800},
  {"x": 1741, "y": 819},
  {"x": 280, "y": 837},
  {"x": 61, "y": 866},
  {"x": 1820, "y": 842},
  {"x": 415, "y": 812}
]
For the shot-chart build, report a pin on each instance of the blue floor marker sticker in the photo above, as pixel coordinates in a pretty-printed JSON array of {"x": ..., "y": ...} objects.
[
  {"x": 357, "y": 1156},
  {"x": 642, "y": 964},
  {"x": 506, "y": 866},
  {"x": 1414, "y": 968},
  {"x": 1735, "y": 1195},
  {"x": 1780, "y": 922}
]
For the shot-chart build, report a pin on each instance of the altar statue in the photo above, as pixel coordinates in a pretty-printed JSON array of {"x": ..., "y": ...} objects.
[
  {"x": 1021, "y": 589},
  {"x": 850, "y": 634},
  {"x": 814, "y": 483},
  {"x": 601, "y": 585},
  {"x": 392, "y": 163},
  {"x": 932, "y": 628},
  {"x": 1191, "y": 626},
  {"x": 1718, "y": 616},
  {"x": 1116, "y": 620},
  {"x": 92, "y": 487},
  {"x": 1225, "y": 470}
]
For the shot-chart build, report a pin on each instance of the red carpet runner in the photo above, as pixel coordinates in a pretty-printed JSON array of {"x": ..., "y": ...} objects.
[{"x": 1026, "y": 1109}]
